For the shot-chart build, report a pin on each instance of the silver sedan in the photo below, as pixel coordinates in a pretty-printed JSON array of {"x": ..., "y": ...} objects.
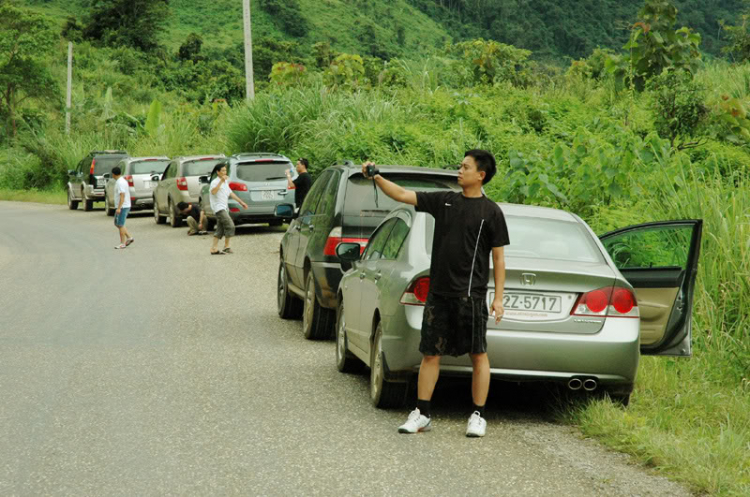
[{"x": 579, "y": 309}]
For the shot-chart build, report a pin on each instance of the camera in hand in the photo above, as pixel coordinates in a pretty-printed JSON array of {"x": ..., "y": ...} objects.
[{"x": 372, "y": 171}]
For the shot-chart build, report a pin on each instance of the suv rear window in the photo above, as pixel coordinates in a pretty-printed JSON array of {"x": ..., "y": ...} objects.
[
  {"x": 262, "y": 171},
  {"x": 104, "y": 164},
  {"x": 148, "y": 166},
  {"x": 199, "y": 167},
  {"x": 361, "y": 197}
]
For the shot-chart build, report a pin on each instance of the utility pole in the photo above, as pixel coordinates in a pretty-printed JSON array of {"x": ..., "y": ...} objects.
[
  {"x": 70, "y": 87},
  {"x": 249, "y": 84}
]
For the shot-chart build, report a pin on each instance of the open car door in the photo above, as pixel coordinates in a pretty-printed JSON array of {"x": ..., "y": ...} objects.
[{"x": 660, "y": 260}]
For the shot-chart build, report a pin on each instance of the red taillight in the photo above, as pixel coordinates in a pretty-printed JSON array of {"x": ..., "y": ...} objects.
[
  {"x": 416, "y": 293},
  {"x": 335, "y": 238},
  {"x": 234, "y": 209},
  {"x": 129, "y": 179},
  {"x": 608, "y": 301},
  {"x": 238, "y": 187},
  {"x": 93, "y": 163},
  {"x": 182, "y": 184}
]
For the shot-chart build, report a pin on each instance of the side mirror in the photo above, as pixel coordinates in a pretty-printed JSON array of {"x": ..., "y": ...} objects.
[
  {"x": 155, "y": 177},
  {"x": 71, "y": 172},
  {"x": 285, "y": 211},
  {"x": 106, "y": 175},
  {"x": 348, "y": 254},
  {"x": 202, "y": 179}
]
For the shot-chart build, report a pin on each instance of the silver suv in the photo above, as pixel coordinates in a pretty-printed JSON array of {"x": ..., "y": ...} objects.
[
  {"x": 259, "y": 179},
  {"x": 86, "y": 181},
  {"x": 179, "y": 183},
  {"x": 142, "y": 175}
]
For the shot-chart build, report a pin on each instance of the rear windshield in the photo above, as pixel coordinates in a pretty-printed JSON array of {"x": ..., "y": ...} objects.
[
  {"x": 263, "y": 171},
  {"x": 105, "y": 164},
  {"x": 199, "y": 167},
  {"x": 360, "y": 195},
  {"x": 148, "y": 166},
  {"x": 550, "y": 239}
]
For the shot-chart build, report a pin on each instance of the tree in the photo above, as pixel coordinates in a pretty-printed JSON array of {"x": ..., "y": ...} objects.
[
  {"x": 135, "y": 23},
  {"x": 191, "y": 49},
  {"x": 28, "y": 39}
]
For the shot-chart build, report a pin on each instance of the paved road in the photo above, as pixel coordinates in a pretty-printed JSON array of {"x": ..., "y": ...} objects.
[{"x": 162, "y": 370}]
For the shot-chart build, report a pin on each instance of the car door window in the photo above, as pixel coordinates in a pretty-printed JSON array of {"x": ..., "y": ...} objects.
[
  {"x": 328, "y": 198},
  {"x": 313, "y": 196},
  {"x": 376, "y": 245},
  {"x": 660, "y": 247},
  {"x": 395, "y": 239}
]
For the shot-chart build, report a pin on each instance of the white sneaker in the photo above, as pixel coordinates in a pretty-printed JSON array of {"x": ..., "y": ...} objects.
[
  {"x": 477, "y": 425},
  {"x": 416, "y": 423}
]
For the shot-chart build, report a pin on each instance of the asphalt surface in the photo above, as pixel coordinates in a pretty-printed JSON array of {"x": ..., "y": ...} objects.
[{"x": 162, "y": 370}]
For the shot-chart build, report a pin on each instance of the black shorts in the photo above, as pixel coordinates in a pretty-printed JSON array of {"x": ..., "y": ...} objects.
[{"x": 454, "y": 326}]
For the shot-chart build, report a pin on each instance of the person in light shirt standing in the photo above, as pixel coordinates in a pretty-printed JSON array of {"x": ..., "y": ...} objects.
[
  {"x": 122, "y": 196},
  {"x": 219, "y": 197}
]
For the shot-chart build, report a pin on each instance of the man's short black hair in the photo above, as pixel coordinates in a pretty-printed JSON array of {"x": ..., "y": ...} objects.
[
  {"x": 485, "y": 162},
  {"x": 305, "y": 163},
  {"x": 116, "y": 171},
  {"x": 182, "y": 206}
]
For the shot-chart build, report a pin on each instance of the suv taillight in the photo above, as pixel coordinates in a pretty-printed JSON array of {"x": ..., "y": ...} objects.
[
  {"x": 182, "y": 184},
  {"x": 416, "y": 293},
  {"x": 93, "y": 163},
  {"x": 237, "y": 187},
  {"x": 334, "y": 238},
  {"x": 129, "y": 179},
  {"x": 615, "y": 302}
]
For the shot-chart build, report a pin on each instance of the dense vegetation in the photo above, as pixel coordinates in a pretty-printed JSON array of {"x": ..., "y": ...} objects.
[{"x": 618, "y": 136}]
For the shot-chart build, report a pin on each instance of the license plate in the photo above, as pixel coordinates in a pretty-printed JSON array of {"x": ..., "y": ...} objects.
[
  {"x": 268, "y": 195},
  {"x": 530, "y": 302}
]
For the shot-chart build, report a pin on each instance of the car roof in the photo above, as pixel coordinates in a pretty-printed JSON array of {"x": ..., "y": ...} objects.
[
  {"x": 251, "y": 156},
  {"x": 188, "y": 158},
  {"x": 518, "y": 210},
  {"x": 396, "y": 169},
  {"x": 154, "y": 157},
  {"x": 108, "y": 152}
]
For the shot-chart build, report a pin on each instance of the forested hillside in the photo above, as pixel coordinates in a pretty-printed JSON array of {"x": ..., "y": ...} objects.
[{"x": 551, "y": 29}]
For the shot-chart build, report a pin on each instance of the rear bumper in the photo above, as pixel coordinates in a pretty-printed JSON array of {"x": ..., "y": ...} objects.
[
  {"x": 328, "y": 275},
  {"x": 96, "y": 194},
  {"x": 612, "y": 355},
  {"x": 253, "y": 214}
]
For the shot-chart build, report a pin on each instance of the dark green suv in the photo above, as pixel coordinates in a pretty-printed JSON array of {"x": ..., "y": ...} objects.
[{"x": 86, "y": 182}]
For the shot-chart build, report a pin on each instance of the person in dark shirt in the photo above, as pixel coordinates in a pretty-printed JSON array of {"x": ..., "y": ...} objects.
[
  {"x": 195, "y": 218},
  {"x": 302, "y": 184},
  {"x": 469, "y": 228}
]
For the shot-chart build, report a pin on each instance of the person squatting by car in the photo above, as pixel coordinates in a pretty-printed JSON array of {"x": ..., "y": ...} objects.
[
  {"x": 469, "y": 227},
  {"x": 195, "y": 217}
]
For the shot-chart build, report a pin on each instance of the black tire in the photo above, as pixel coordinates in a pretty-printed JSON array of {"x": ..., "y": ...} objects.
[
  {"x": 107, "y": 209},
  {"x": 289, "y": 306},
  {"x": 158, "y": 218},
  {"x": 72, "y": 204},
  {"x": 384, "y": 393},
  {"x": 317, "y": 321},
  {"x": 346, "y": 362},
  {"x": 88, "y": 205},
  {"x": 175, "y": 220}
]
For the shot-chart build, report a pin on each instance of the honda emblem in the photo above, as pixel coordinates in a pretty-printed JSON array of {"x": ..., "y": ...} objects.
[{"x": 528, "y": 279}]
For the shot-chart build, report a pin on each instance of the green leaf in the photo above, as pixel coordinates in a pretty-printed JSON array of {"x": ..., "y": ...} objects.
[{"x": 153, "y": 121}]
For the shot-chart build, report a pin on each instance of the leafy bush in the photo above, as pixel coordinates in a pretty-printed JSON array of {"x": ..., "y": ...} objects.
[
  {"x": 679, "y": 109},
  {"x": 346, "y": 70},
  {"x": 489, "y": 62},
  {"x": 285, "y": 74}
]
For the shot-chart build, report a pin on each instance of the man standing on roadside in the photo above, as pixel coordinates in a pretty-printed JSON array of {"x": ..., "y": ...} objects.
[
  {"x": 469, "y": 228},
  {"x": 219, "y": 197},
  {"x": 195, "y": 218},
  {"x": 122, "y": 197},
  {"x": 302, "y": 184}
]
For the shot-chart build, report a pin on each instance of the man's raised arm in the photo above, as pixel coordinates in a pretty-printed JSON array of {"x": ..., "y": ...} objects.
[{"x": 391, "y": 189}]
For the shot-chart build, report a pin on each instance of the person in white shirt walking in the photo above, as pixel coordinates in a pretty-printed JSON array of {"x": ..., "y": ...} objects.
[
  {"x": 219, "y": 197},
  {"x": 122, "y": 197}
]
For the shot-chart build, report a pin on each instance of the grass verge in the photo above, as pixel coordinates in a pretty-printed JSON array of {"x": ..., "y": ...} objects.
[{"x": 39, "y": 196}]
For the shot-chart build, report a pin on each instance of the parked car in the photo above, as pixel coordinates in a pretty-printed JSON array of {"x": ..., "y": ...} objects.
[
  {"x": 179, "y": 183},
  {"x": 86, "y": 181},
  {"x": 142, "y": 175},
  {"x": 579, "y": 309},
  {"x": 259, "y": 179},
  {"x": 341, "y": 206}
]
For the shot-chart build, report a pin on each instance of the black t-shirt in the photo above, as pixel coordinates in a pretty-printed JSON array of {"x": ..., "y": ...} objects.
[
  {"x": 302, "y": 186},
  {"x": 457, "y": 246},
  {"x": 195, "y": 213}
]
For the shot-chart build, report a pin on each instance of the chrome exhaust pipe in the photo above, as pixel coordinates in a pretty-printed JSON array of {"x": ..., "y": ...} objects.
[
  {"x": 590, "y": 385},
  {"x": 575, "y": 384}
]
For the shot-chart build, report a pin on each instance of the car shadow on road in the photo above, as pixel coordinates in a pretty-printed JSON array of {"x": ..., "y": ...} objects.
[{"x": 258, "y": 229}]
